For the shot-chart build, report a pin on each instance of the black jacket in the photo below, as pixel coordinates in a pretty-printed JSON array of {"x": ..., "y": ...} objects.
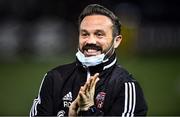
[{"x": 117, "y": 93}]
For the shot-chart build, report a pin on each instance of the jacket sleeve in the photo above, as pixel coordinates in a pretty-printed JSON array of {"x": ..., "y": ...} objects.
[
  {"x": 43, "y": 104},
  {"x": 129, "y": 101}
]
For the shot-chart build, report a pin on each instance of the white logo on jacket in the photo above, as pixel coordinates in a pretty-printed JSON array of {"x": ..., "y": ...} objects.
[
  {"x": 67, "y": 99},
  {"x": 61, "y": 113}
]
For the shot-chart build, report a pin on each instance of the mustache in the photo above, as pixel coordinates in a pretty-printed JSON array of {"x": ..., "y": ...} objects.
[{"x": 91, "y": 46}]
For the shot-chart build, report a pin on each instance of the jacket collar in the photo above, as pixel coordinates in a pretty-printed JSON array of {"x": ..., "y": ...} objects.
[{"x": 99, "y": 68}]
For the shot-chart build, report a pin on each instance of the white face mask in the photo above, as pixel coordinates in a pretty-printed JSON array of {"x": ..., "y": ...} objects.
[{"x": 92, "y": 60}]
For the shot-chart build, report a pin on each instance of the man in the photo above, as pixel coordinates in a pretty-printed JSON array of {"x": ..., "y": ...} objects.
[{"x": 93, "y": 85}]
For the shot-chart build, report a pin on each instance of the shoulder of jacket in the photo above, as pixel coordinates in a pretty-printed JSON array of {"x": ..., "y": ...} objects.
[
  {"x": 120, "y": 74},
  {"x": 62, "y": 70},
  {"x": 65, "y": 67}
]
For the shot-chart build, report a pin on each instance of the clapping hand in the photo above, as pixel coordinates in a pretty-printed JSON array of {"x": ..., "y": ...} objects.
[{"x": 85, "y": 98}]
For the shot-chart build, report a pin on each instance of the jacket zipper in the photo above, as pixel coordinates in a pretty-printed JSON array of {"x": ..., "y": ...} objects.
[{"x": 88, "y": 72}]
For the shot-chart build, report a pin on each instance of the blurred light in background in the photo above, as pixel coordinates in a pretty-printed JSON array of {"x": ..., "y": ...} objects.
[
  {"x": 9, "y": 41},
  {"x": 159, "y": 38},
  {"x": 130, "y": 17},
  {"x": 48, "y": 37}
]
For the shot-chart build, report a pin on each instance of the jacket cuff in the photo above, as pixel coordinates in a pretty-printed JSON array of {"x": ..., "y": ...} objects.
[{"x": 92, "y": 111}]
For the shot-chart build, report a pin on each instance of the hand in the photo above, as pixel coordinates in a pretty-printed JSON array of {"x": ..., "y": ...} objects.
[
  {"x": 73, "y": 109},
  {"x": 86, "y": 93}
]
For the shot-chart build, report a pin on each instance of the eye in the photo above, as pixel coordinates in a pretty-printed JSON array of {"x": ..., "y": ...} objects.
[
  {"x": 99, "y": 35},
  {"x": 84, "y": 34}
]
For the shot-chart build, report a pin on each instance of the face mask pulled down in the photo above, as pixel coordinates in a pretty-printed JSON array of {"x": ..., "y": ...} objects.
[{"x": 90, "y": 61}]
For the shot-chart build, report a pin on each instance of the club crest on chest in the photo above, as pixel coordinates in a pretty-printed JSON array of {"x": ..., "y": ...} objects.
[{"x": 100, "y": 99}]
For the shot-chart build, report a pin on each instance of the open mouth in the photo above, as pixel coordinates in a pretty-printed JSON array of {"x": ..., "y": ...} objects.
[{"x": 91, "y": 52}]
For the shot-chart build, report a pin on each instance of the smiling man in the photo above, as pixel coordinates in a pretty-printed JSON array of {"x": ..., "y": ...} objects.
[{"x": 93, "y": 85}]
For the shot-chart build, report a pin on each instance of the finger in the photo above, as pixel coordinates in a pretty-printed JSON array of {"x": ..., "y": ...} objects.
[
  {"x": 89, "y": 85},
  {"x": 94, "y": 79},
  {"x": 74, "y": 105},
  {"x": 96, "y": 75},
  {"x": 82, "y": 98},
  {"x": 97, "y": 79},
  {"x": 82, "y": 89},
  {"x": 94, "y": 85},
  {"x": 85, "y": 87},
  {"x": 77, "y": 99}
]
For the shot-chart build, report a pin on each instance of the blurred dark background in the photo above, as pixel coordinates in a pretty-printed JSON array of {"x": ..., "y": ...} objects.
[{"x": 38, "y": 35}]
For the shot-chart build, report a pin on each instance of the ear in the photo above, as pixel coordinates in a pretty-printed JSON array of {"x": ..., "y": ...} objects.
[{"x": 117, "y": 41}]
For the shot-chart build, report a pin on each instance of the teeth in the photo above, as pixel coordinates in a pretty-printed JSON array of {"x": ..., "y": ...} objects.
[{"x": 90, "y": 50}]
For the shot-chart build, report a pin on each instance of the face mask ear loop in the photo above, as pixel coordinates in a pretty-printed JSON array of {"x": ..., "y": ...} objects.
[{"x": 106, "y": 58}]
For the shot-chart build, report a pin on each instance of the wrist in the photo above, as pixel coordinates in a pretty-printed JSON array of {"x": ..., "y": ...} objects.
[
  {"x": 86, "y": 108},
  {"x": 92, "y": 110}
]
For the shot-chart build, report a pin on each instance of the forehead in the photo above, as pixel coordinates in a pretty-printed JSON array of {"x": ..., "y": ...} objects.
[{"x": 96, "y": 22}]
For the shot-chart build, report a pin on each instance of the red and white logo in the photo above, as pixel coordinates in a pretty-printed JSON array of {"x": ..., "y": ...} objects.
[{"x": 100, "y": 99}]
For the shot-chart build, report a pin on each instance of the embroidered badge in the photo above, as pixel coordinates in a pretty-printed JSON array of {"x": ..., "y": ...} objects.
[{"x": 100, "y": 99}]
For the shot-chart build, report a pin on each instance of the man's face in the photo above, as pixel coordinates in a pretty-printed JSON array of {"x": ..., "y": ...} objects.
[{"x": 95, "y": 35}]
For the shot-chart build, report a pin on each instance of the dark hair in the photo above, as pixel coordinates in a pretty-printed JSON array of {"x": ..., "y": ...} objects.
[{"x": 94, "y": 9}]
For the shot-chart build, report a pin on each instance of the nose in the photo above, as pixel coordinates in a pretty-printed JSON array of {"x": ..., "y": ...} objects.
[{"x": 91, "y": 40}]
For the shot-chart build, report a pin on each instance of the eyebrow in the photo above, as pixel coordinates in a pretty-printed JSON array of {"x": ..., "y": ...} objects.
[
  {"x": 98, "y": 30},
  {"x": 83, "y": 30}
]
